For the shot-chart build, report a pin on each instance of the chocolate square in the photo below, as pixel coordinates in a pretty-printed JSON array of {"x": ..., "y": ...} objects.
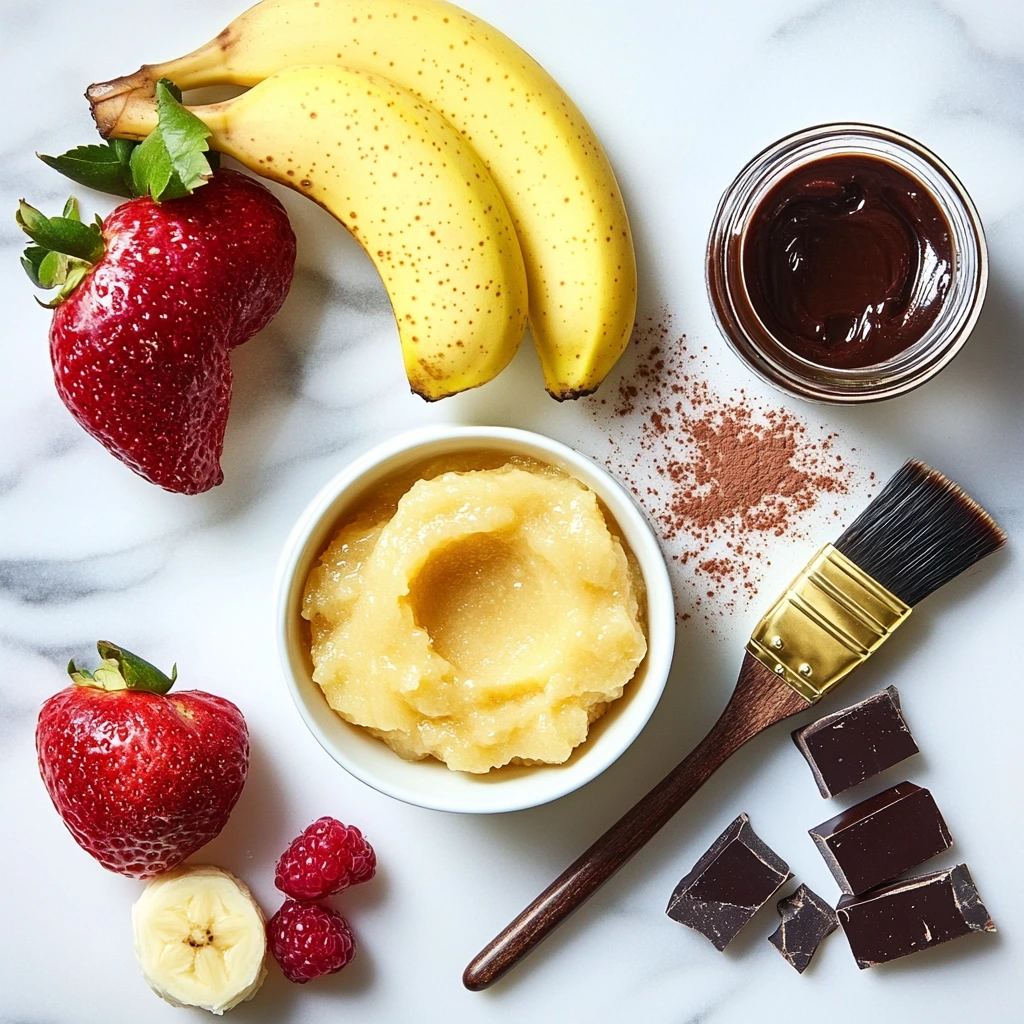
[
  {"x": 856, "y": 743},
  {"x": 728, "y": 885},
  {"x": 881, "y": 837},
  {"x": 912, "y": 915}
]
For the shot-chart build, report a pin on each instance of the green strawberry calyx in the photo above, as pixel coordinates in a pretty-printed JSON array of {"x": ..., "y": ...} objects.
[
  {"x": 119, "y": 669},
  {"x": 64, "y": 249},
  {"x": 172, "y": 162}
]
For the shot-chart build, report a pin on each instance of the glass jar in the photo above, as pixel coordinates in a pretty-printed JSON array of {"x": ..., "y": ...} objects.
[{"x": 753, "y": 342}]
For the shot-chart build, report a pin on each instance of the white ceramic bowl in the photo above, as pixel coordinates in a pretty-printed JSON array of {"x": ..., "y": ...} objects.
[{"x": 429, "y": 783}]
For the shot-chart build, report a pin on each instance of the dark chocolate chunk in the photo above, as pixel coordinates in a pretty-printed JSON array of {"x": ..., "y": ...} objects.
[
  {"x": 881, "y": 837},
  {"x": 728, "y": 885},
  {"x": 806, "y": 920},
  {"x": 912, "y": 915},
  {"x": 855, "y": 744}
]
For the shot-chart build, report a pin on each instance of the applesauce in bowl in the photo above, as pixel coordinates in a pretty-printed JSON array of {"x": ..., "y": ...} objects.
[
  {"x": 475, "y": 619},
  {"x": 485, "y": 618}
]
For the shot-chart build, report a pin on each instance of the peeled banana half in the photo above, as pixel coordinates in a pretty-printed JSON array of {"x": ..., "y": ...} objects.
[
  {"x": 200, "y": 938},
  {"x": 548, "y": 165}
]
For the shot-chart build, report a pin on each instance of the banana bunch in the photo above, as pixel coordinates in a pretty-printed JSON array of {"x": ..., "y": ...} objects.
[{"x": 467, "y": 174}]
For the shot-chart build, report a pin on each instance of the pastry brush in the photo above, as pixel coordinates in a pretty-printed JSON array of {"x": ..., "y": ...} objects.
[{"x": 920, "y": 532}]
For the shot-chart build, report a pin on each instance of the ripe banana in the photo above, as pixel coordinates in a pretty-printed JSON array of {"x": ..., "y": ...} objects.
[
  {"x": 200, "y": 938},
  {"x": 414, "y": 195},
  {"x": 547, "y": 162}
]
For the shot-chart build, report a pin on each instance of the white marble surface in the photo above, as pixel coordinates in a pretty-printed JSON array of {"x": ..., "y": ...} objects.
[{"x": 682, "y": 94}]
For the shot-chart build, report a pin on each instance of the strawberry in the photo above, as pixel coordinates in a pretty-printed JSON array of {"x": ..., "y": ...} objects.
[
  {"x": 142, "y": 778},
  {"x": 154, "y": 298}
]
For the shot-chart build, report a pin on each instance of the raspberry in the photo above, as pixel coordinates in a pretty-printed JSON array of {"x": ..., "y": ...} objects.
[
  {"x": 309, "y": 939},
  {"x": 325, "y": 859}
]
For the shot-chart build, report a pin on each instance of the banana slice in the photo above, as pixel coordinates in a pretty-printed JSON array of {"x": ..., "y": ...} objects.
[{"x": 200, "y": 938}]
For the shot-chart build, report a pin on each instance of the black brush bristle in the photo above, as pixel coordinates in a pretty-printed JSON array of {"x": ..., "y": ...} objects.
[{"x": 920, "y": 532}]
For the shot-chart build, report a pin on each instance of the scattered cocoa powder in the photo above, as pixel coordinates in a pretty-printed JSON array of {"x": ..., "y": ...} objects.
[{"x": 723, "y": 475}]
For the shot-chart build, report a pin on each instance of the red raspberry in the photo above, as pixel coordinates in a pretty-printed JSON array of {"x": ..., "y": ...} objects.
[
  {"x": 325, "y": 859},
  {"x": 309, "y": 939}
]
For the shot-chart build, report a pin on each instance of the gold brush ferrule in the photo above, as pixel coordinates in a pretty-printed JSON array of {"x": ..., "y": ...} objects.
[{"x": 832, "y": 616}]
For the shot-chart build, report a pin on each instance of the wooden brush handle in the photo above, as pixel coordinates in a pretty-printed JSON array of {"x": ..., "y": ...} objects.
[{"x": 760, "y": 699}]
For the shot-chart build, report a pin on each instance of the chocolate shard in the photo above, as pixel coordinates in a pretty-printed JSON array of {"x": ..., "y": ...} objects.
[
  {"x": 881, "y": 837},
  {"x": 728, "y": 885},
  {"x": 912, "y": 915},
  {"x": 855, "y": 744},
  {"x": 806, "y": 920}
]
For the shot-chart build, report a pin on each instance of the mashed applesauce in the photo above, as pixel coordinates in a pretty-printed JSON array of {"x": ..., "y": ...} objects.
[{"x": 483, "y": 616}]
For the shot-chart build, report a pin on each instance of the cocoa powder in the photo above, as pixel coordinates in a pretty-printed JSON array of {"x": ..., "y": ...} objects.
[{"x": 723, "y": 475}]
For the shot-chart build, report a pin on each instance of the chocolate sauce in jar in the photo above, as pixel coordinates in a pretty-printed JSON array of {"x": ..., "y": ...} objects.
[{"x": 847, "y": 261}]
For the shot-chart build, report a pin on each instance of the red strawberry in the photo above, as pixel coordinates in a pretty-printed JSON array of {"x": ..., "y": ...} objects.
[
  {"x": 142, "y": 779},
  {"x": 140, "y": 347},
  {"x": 152, "y": 300}
]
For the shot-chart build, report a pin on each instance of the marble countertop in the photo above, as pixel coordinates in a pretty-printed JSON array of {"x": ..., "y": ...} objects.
[{"x": 682, "y": 95}]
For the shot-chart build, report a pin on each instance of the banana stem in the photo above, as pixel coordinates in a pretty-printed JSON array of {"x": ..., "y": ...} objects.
[
  {"x": 124, "y": 115},
  {"x": 123, "y": 108},
  {"x": 136, "y": 117}
]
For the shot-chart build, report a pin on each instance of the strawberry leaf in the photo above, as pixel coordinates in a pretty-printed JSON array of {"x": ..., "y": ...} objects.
[
  {"x": 65, "y": 249},
  {"x": 122, "y": 670},
  {"x": 75, "y": 273},
  {"x": 103, "y": 167},
  {"x": 53, "y": 270},
  {"x": 137, "y": 673},
  {"x": 32, "y": 260},
  {"x": 172, "y": 161},
  {"x": 66, "y": 235}
]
